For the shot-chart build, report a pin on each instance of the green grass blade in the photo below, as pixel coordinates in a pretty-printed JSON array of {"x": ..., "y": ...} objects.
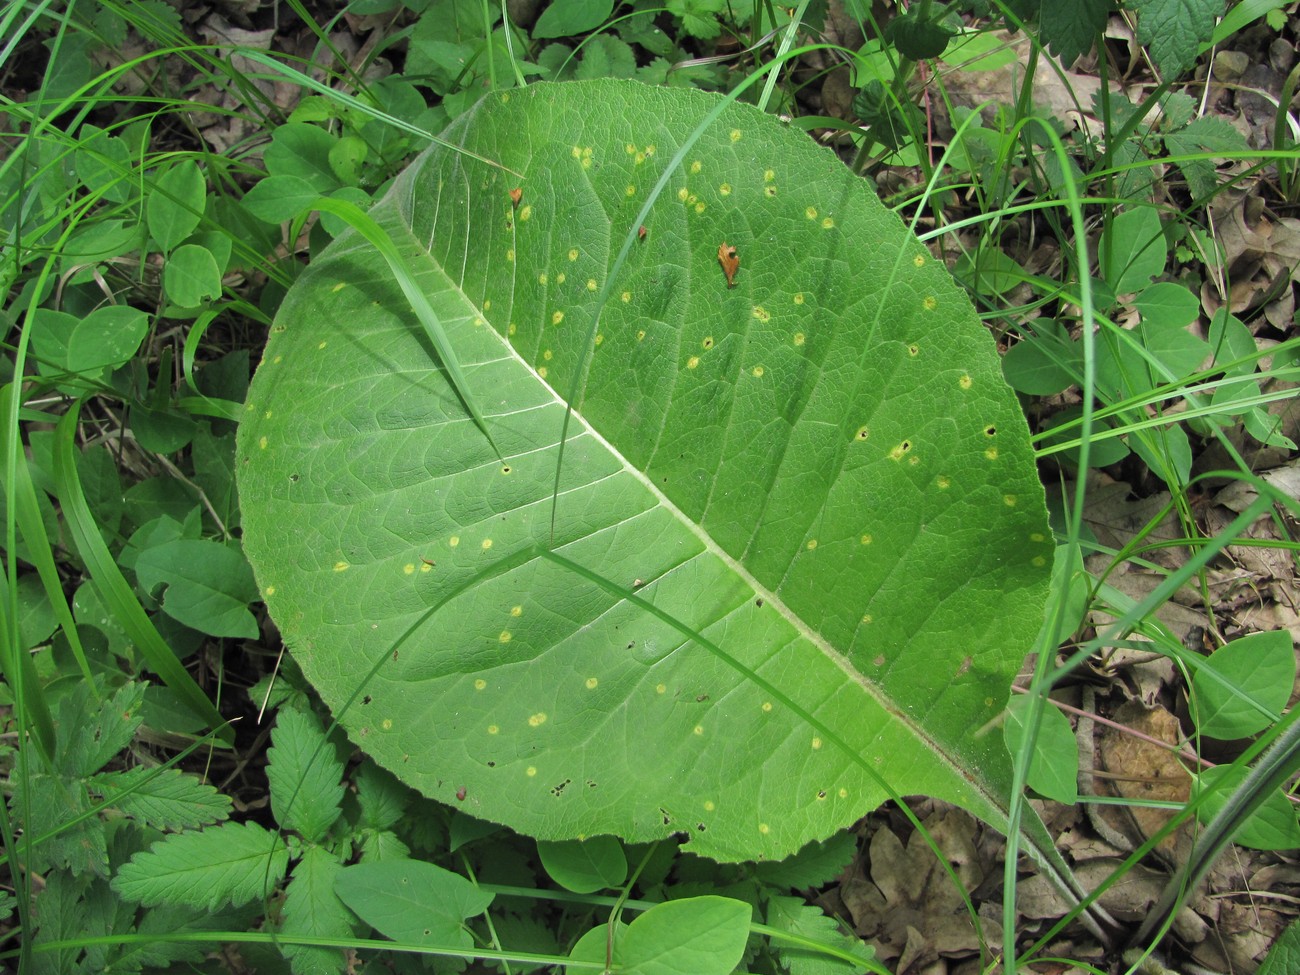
[{"x": 113, "y": 587}]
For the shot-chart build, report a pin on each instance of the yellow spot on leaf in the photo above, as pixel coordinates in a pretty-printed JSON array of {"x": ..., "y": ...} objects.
[
  {"x": 696, "y": 166},
  {"x": 798, "y": 298},
  {"x": 817, "y": 743},
  {"x": 1037, "y": 537},
  {"x": 425, "y": 567},
  {"x": 537, "y": 720},
  {"x": 591, "y": 683},
  {"x": 798, "y": 338},
  {"x": 725, "y": 189},
  {"x": 630, "y": 149},
  {"x": 510, "y": 255},
  {"x": 453, "y": 541},
  {"x": 270, "y": 590},
  {"x": 493, "y": 729},
  {"x": 827, "y": 223},
  {"x": 769, "y": 191},
  {"x": 1010, "y": 500},
  {"x": 692, "y": 362},
  {"x": 761, "y": 313},
  {"x": 769, "y": 175},
  {"x": 386, "y": 724},
  {"x": 505, "y": 636},
  {"x": 278, "y": 359},
  {"x": 683, "y": 194},
  {"x": 866, "y": 539},
  {"x": 341, "y": 566},
  {"x": 557, "y": 317},
  {"x": 812, "y": 544},
  {"x": 543, "y": 278},
  {"x": 660, "y": 688},
  {"x": 512, "y": 329},
  {"x": 965, "y": 382},
  {"x": 576, "y": 151},
  {"x": 863, "y": 433},
  {"x": 709, "y": 806},
  {"x": 698, "y": 729},
  {"x": 480, "y": 684},
  {"x": 525, "y": 212},
  {"x": 699, "y": 208},
  {"x": 487, "y": 305},
  {"x": 625, "y": 297},
  {"x": 757, "y": 372},
  {"x": 409, "y": 568},
  {"x": 918, "y": 260},
  {"x": 322, "y": 345},
  {"x": 630, "y": 190},
  {"x": 591, "y": 284},
  {"x": 599, "y": 338},
  {"x": 486, "y": 544},
  {"x": 868, "y": 618},
  {"x": 531, "y": 771},
  {"x": 913, "y": 351},
  {"x": 516, "y": 611},
  {"x": 811, "y": 213},
  {"x": 991, "y": 453},
  {"x": 640, "y": 334},
  {"x": 561, "y": 278},
  {"x": 1039, "y": 561},
  {"x": 943, "y": 483},
  {"x": 930, "y": 303},
  {"x": 339, "y": 287},
  {"x": 844, "y": 793},
  {"x": 735, "y": 135},
  {"x": 261, "y": 442},
  {"x": 764, "y": 828},
  {"x": 767, "y": 707}
]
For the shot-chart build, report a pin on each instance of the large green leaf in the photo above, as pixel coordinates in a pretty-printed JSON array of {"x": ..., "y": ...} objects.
[{"x": 800, "y": 545}]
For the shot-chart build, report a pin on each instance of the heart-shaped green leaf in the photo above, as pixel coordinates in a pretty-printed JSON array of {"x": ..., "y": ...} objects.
[{"x": 796, "y": 547}]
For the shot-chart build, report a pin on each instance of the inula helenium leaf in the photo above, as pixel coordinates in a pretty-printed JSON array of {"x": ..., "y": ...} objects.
[{"x": 811, "y": 544}]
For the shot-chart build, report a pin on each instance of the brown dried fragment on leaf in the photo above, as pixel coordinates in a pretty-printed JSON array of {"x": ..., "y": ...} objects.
[
  {"x": 516, "y": 195},
  {"x": 730, "y": 262}
]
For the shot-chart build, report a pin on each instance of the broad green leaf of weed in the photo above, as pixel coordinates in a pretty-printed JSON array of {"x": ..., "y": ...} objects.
[
  {"x": 524, "y": 932},
  {"x": 234, "y": 863},
  {"x": 205, "y": 585},
  {"x": 605, "y": 57},
  {"x": 168, "y": 919},
  {"x": 381, "y": 798},
  {"x": 36, "y": 617},
  {"x": 280, "y": 198},
  {"x": 1174, "y": 30},
  {"x": 1272, "y": 826},
  {"x": 1167, "y": 309},
  {"x": 1054, "y": 766},
  {"x": 305, "y": 774},
  {"x": 347, "y": 157},
  {"x": 302, "y": 150},
  {"x": 813, "y": 485},
  {"x": 594, "y": 945},
  {"x": 175, "y": 205},
  {"x": 1261, "y": 667},
  {"x": 191, "y": 276},
  {"x": 91, "y": 734},
  {"x": 213, "y": 456},
  {"x": 104, "y": 339},
  {"x": 102, "y": 160},
  {"x": 572, "y": 18},
  {"x": 413, "y": 901},
  {"x": 699, "y": 18},
  {"x": 813, "y": 866},
  {"x": 1133, "y": 250},
  {"x": 63, "y": 917},
  {"x": 1071, "y": 29},
  {"x": 166, "y": 799},
  {"x": 1166, "y": 450},
  {"x": 312, "y": 909},
  {"x": 1284, "y": 957},
  {"x": 53, "y": 803},
  {"x": 1045, "y": 362},
  {"x": 691, "y": 936},
  {"x": 1205, "y": 134},
  {"x": 585, "y": 866},
  {"x": 1231, "y": 340},
  {"x": 795, "y": 916}
]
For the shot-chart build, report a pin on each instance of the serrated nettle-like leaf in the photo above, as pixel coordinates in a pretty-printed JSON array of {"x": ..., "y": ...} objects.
[
  {"x": 305, "y": 775},
  {"x": 800, "y": 547}
]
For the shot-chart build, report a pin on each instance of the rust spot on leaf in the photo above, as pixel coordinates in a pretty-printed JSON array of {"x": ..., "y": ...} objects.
[{"x": 730, "y": 262}]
